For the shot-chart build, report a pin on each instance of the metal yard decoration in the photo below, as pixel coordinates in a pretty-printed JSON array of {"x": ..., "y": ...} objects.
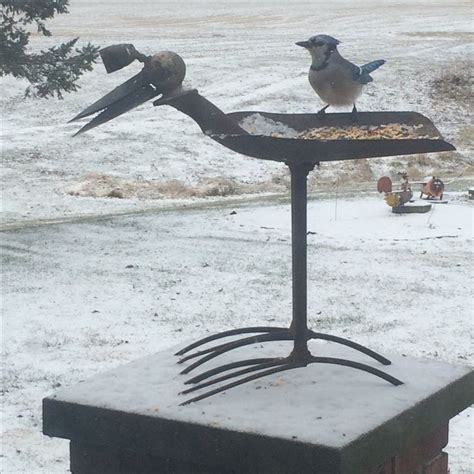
[
  {"x": 431, "y": 187},
  {"x": 163, "y": 74}
]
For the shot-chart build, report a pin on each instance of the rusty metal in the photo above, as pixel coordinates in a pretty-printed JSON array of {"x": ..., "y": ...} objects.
[
  {"x": 432, "y": 188},
  {"x": 162, "y": 74},
  {"x": 225, "y": 129},
  {"x": 301, "y": 155},
  {"x": 396, "y": 199},
  {"x": 118, "y": 56},
  {"x": 122, "y": 99},
  {"x": 384, "y": 185}
]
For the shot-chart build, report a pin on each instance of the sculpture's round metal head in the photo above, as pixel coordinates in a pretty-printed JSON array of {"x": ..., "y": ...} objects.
[{"x": 165, "y": 70}]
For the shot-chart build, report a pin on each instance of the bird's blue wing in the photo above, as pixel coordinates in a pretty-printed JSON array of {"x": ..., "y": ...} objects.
[
  {"x": 355, "y": 71},
  {"x": 359, "y": 75}
]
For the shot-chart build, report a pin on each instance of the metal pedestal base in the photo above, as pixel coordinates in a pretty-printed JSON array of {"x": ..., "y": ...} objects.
[
  {"x": 263, "y": 366},
  {"x": 298, "y": 331}
]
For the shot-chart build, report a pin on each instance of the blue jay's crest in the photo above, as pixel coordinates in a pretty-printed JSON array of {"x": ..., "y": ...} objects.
[{"x": 325, "y": 39}]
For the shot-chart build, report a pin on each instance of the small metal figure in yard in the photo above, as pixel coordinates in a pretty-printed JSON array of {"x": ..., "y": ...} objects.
[
  {"x": 395, "y": 198},
  {"x": 337, "y": 81},
  {"x": 432, "y": 187},
  {"x": 404, "y": 183}
]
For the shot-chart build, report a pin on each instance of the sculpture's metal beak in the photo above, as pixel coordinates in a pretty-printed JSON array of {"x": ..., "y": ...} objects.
[
  {"x": 161, "y": 74},
  {"x": 123, "y": 98}
]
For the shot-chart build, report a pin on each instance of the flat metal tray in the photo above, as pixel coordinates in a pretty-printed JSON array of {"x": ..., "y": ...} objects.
[
  {"x": 284, "y": 149},
  {"x": 226, "y": 130}
]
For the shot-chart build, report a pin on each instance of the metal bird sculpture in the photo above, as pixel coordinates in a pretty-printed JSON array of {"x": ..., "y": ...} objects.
[{"x": 162, "y": 75}]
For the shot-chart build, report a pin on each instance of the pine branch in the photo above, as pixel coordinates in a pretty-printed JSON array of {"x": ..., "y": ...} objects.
[{"x": 49, "y": 72}]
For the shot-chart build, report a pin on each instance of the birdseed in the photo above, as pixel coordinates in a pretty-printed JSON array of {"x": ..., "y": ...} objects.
[{"x": 389, "y": 131}]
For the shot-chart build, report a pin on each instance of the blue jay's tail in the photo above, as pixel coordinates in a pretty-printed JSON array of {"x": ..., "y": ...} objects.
[
  {"x": 372, "y": 66},
  {"x": 362, "y": 73}
]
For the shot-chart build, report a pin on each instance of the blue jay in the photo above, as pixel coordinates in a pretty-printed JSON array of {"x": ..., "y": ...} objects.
[{"x": 337, "y": 81}]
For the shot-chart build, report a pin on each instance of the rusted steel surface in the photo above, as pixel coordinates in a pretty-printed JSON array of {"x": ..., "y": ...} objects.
[
  {"x": 384, "y": 185},
  {"x": 225, "y": 129},
  {"x": 433, "y": 188},
  {"x": 290, "y": 150}
]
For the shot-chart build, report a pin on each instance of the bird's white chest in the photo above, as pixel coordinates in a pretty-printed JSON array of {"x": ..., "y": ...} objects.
[{"x": 334, "y": 87}]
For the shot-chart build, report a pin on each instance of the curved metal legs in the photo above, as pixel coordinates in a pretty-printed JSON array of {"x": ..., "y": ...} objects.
[
  {"x": 263, "y": 366},
  {"x": 232, "y": 332},
  {"x": 222, "y": 348},
  {"x": 274, "y": 366},
  {"x": 270, "y": 334}
]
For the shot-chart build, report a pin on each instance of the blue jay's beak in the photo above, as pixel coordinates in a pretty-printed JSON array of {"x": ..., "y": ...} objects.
[
  {"x": 162, "y": 74},
  {"x": 303, "y": 44}
]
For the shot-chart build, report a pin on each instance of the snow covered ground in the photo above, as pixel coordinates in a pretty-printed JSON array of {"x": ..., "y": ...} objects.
[
  {"x": 87, "y": 296},
  {"x": 84, "y": 291},
  {"x": 242, "y": 56}
]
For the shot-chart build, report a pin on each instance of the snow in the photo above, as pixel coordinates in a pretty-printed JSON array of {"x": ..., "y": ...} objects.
[
  {"x": 86, "y": 296},
  {"x": 241, "y": 56},
  {"x": 343, "y": 403},
  {"x": 257, "y": 124},
  {"x": 72, "y": 304}
]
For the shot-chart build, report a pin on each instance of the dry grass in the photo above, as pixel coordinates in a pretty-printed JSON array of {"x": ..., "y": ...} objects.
[
  {"x": 102, "y": 186},
  {"x": 465, "y": 136},
  {"x": 341, "y": 175},
  {"x": 455, "y": 84}
]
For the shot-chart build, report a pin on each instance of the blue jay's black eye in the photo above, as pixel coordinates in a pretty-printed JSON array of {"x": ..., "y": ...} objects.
[{"x": 319, "y": 43}]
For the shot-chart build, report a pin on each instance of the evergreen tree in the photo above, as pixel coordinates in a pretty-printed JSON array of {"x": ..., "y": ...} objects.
[{"x": 50, "y": 72}]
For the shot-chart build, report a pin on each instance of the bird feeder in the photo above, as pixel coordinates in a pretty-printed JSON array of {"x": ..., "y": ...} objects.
[{"x": 301, "y": 154}]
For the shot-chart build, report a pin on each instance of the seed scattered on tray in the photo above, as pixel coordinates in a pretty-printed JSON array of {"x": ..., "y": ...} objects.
[
  {"x": 372, "y": 132},
  {"x": 257, "y": 124}
]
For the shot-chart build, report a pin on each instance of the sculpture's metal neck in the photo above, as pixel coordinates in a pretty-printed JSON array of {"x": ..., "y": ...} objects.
[{"x": 212, "y": 120}]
